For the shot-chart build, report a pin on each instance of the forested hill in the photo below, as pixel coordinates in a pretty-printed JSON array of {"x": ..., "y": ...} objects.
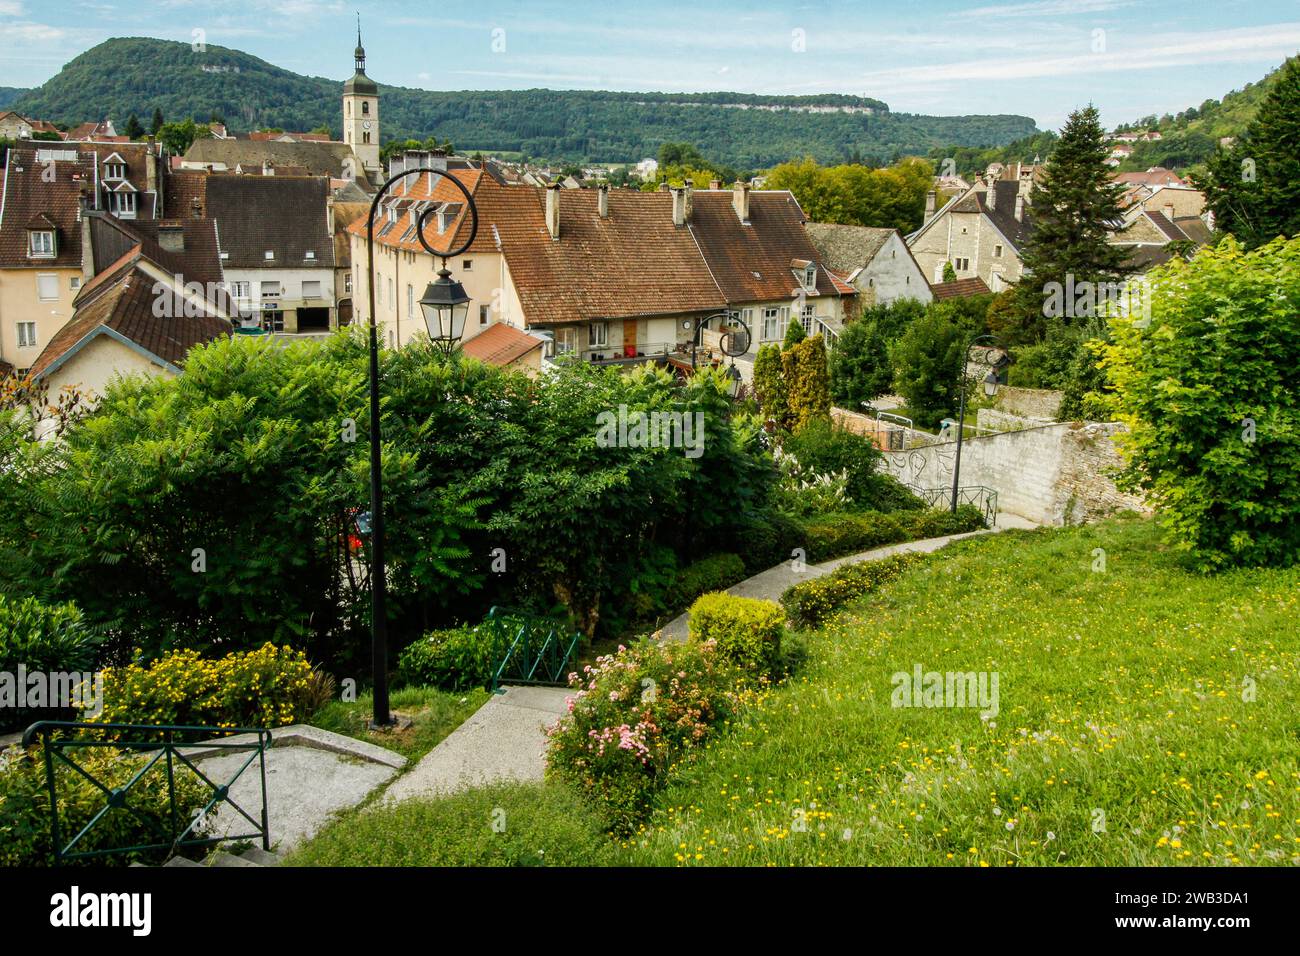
[{"x": 136, "y": 75}]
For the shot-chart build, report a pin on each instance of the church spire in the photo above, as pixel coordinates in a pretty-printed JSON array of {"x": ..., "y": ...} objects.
[{"x": 360, "y": 51}]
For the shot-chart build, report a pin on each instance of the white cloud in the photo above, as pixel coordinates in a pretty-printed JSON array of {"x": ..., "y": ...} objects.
[{"x": 1050, "y": 8}]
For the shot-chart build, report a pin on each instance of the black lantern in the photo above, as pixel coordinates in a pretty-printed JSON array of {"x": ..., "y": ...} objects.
[
  {"x": 991, "y": 384},
  {"x": 445, "y": 306}
]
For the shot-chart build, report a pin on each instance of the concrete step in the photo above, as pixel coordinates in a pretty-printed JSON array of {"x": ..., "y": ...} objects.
[
  {"x": 259, "y": 857},
  {"x": 222, "y": 858},
  {"x": 181, "y": 861}
]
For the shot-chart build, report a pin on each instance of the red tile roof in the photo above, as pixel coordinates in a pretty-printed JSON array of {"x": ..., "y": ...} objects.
[
  {"x": 27, "y": 194},
  {"x": 500, "y": 344},
  {"x": 125, "y": 306},
  {"x": 960, "y": 288}
]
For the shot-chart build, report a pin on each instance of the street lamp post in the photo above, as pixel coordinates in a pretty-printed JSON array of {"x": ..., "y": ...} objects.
[
  {"x": 444, "y": 305},
  {"x": 990, "y": 389}
]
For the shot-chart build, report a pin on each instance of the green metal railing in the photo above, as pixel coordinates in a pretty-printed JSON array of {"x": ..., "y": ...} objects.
[
  {"x": 166, "y": 753},
  {"x": 529, "y": 650},
  {"x": 986, "y": 499}
]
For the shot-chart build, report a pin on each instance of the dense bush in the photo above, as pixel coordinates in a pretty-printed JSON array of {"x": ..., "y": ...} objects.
[
  {"x": 807, "y": 382},
  {"x": 42, "y": 637},
  {"x": 267, "y": 687},
  {"x": 638, "y": 713},
  {"x": 224, "y": 501},
  {"x": 714, "y": 573},
  {"x": 769, "y": 540},
  {"x": 25, "y": 838},
  {"x": 834, "y": 536},
  {"x": 810, "y": 603},
  {"x": 747, "y": 631},
  {"x": 1208, "y": 389},
  {"x": 859, "y": 367},
  {"x": 769, "y": 385},
  {"x": 827, "y": 448},
  {"x": 457, "y": 658}
]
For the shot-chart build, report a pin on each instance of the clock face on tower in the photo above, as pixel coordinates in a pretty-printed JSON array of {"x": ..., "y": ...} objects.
[{"x": 366, "y": 125}]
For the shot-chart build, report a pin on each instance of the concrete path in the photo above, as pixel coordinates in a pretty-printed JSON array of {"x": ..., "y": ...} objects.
[
  {"x": 772, "y": 583},
  {"x": 311, "y": 774},
  {"x": 503, "y": 740}
]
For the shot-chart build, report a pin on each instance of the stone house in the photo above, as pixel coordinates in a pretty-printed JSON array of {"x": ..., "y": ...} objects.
[{"x": 875, "y": 261}]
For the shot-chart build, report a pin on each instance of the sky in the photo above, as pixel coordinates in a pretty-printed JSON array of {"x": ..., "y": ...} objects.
[{"x": 1040, "y": 58}]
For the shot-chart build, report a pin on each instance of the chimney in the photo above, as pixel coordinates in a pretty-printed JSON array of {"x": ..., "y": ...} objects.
[
  {"x": 931, "y": 198},
  {"x": 1169, "y": 211},
  {"x": 680, "y": 200},
  {"x": 268, "y": 168},
  {"x": 715, "y": 185},
  {"x": 991, "y": 197},
  {"x": 688, "y": 199},
  {"x": 196, "y": 207},
  {"x": 602, "y": 200},
  {"x": 172, "y": 237},
  {"x": 553, "y": 210},
  {"x": 740, "y": 200},
  {"x": 1020, "y": 207},
  {"x": 664, "y": 187},
  {"x": 436, "y": 159}
]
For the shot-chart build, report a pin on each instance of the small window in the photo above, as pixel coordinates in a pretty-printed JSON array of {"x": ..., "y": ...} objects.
[
  {"x": 239, "y": 290},
  {"x": 365, "y": 107},
  {"x": 74, "y": 283},
  {"x": 392, "y": 301},
  {"x": 309, "y": 255},
  {"x": 566, "y": 341},
  {"x": 122, "y": 205},
  {"x": 810, "y": 277},
  {"x": 269, "y": 255},
  {"x": 225, "y": 255},
  {"x": 598, "y": 337},
  {"x": 997, "y": 252},
  {"x": 484, "y": 314},
  {"x": 347, "y": 283},
  {"x": 410, "y": 299},
  {"x": 114, "y": 171},
  {"x": 467, "y": 265},
  {"x": 365, "y": 137},
  {"x": 47, "y": 287},
  {"x": 40, "y": 245},
  {"x": 311, "y": 289},
  {"x": 26, "y": 335}
]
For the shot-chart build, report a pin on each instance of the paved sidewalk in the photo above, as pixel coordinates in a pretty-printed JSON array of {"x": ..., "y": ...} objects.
[
  {"x": 503, "y": 740},
  {"x": 772, "y": 583}
]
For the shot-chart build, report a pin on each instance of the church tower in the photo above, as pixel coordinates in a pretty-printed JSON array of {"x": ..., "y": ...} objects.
[{"x": 361, "y": 112}]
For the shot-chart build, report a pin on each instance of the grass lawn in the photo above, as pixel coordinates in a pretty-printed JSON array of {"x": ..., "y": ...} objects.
[
  {"x": 434, "y": 713},
  {"x": 1147, "y": 715},
  {"x": 1122, "y": 736}
]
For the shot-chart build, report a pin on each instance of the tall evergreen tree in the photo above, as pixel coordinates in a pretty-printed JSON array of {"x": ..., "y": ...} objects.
[
  {"x": 133, "y": 128},
  {"x": 156, "y": 126},
  {"x": 1072, "y": 208},
  {"x": 1254, "y": 186}
]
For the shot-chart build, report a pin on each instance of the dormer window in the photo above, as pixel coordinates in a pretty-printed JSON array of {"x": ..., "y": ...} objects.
[
  {"x": 310, "y": 255},
  {"x": 269, "y": 255},
  {"x": 114, "y": 171},
  {"x": 810, "y": 277},
  {"x": 40, "y": 244}
]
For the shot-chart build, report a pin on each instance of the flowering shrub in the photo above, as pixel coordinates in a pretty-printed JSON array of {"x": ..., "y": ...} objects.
[
  {"x": 803, "y": 491},
  {"x": 25, "y": 805},
  {"x": 812, "y": 602},
  {"x": 747, "y": 631},
  {"x": 454, "y": 659},
  {"x": 635, "y": 715},
  {"x": 268, "y": 687}
]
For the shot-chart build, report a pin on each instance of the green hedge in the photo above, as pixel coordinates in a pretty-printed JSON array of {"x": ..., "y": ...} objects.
[
  {"x": 713, "y": 573},
  {"x": 748, "y": 631},
  {"x": 833, "y": 536},
  {"x": 42, "y": 637},
  {"x": 769, "y": 541},
  {"x": 454, "y": 659},
  {"x": 809, "y": 604}
]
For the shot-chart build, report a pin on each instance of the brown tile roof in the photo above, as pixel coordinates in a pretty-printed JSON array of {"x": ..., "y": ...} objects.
[
  {"x": 180, "y": 188},
  {"x": 287, "y": 216},
  {"x": 959, "y": 288},
  {"x": 124, "y": 307},
  {"x": 260, "y": 136},
  {"x": 753, "y": 263},
  {"x": 26, "y": 195},
  {"x": 500, "y": 344},
  {"x": 1155, "y": 176}
]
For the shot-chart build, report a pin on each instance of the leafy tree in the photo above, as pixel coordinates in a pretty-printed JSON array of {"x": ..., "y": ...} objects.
[
  {"x": 178, "y": 137},
  {"x": 133, "y": 129},
  {"x": 807, "y": 382},
  {"x": 949, "y": 273},
  {"x": 860, "y": 368},
  {"x": 1254, "y": 186},
  {"x": 1208, "y": 390},
  {"x": 927, "y": 366},
  {"x": 852, "y": 194},
  {"x": 769, "y": 385},
  {"x": 1072, "y": 208},
  {"x": 794, "y": 334}
]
